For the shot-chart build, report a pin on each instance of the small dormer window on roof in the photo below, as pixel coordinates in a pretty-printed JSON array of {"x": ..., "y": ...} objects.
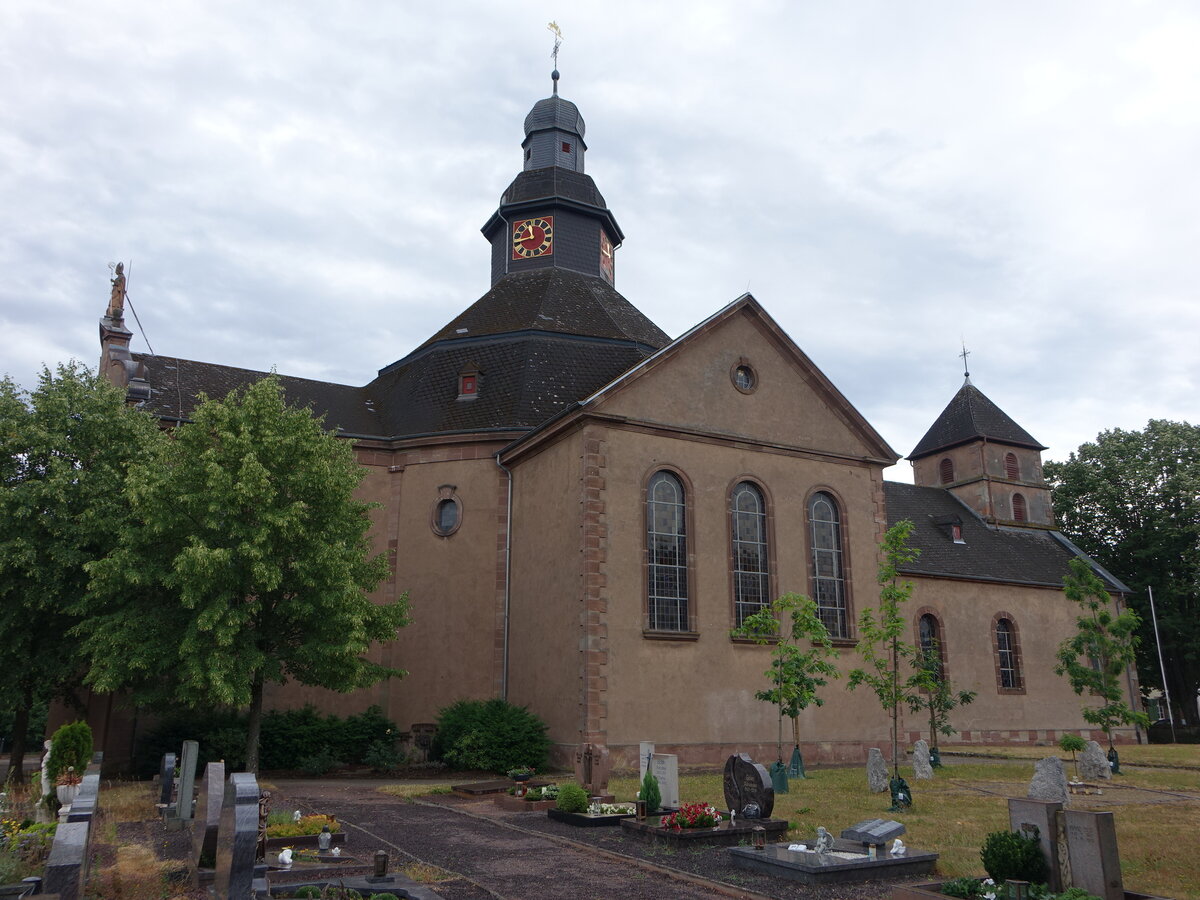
[{"x": 468, "y": 383}]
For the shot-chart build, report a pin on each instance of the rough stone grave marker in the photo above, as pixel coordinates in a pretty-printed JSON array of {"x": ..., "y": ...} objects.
[
  {"x": 748, "y": 788},
  {"x": 1092, "y": 851},
  {"x": 665, "y": 767},
  {"x": 592, "y": 768},
  {"x": 1049, "y": 781},
  {"x": 1093, "y": 764},
  {"x": 877, "y": 771},
  {"x": 166, "y": 774},
  {"x": 237, "y": 836},
  {"x": 922, "y": 765},
  {"x": 1026, "y": 815}
]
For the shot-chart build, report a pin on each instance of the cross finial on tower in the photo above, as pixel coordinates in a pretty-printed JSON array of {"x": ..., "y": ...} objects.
[
  {"x": 963, "y": 356},
  {"x": 558, "y": 39}
]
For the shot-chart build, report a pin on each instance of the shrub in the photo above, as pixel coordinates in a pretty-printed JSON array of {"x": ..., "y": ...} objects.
[
  {"x": 318, "y": 764},
  {"x": 308, "y": 891},
  {"x": 1076, "y": 893},
  {"x": 383, "y": 897},
  {"x": 72, "y": 746},
  {"x": 307, "y": 825},
  {"x": 572, "y": 798},
  {"x": 382, "y": 756},
  {"x": 492, "y": 735},
  {"x": 965, "y": 888},
  {"x": 650, "y": 793},
  {"x": 1010, "y": 854}
]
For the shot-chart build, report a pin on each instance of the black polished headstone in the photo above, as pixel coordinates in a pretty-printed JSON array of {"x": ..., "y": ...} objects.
[
  {"x": 167, "y": 776},
  {"x": 237, "y": 837},
  {"x": 748, "y": 789}
]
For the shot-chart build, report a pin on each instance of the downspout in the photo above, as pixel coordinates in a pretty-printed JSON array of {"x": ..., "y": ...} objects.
[{"x": 507, "y": 576}]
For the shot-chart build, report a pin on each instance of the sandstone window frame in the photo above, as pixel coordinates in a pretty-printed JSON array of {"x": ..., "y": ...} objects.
[
  {"x": 946, "y": 470},
  {"x": 660, "y": 508},
  {"x": 831, "y": 557},
  {"x": 444, "y": 524},
  {"x": 744, "y": 545},
  {"x": 928, "y": 625},
  {"x": 1006, "y": 654}
]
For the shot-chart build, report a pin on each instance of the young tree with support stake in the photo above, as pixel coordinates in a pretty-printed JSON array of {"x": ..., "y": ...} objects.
[
  {"x": 883, "y": 651},
  {"x": 937, "y": 695},
  {"x": 247, "y": 562},
  {"x": 1101, "y": 652},
  {"x": 796, "y": 674}
]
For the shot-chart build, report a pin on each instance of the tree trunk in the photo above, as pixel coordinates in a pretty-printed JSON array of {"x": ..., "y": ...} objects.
[
  {"x": 16, "y": 761},
  {"x": 796, "y": 730},
  {"x": 895, "y": 707},
  {"x": 254, "y": 725}
]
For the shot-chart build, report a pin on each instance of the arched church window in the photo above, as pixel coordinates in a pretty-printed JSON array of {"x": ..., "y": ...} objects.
[
  {"x": 1011, "y": 468},
  {"x": 1020, "y": 513},
  {"x": 1008, "y": 660},
  {"x": 929, "y": 634},
  {"x": 666, "y": 543},
  {"x": 748, "y": 527},
  {"x": 828, "y": 576},
  {"x": 946, "y": 469}
]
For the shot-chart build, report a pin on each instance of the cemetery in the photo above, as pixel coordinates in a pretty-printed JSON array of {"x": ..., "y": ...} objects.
[{"x": 1028, "y": 826}]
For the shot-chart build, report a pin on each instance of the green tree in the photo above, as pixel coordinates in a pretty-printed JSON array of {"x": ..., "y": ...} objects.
[
  {"x": 1131, "y": 500},
  {"x": 1103, "y": 648},
  {"x": 937, "y": 696},
  {"x": 796, "y": 674},
  {"x": 247, "y": 562},
  {"x": 880, "y": 630},
  {"x": 66, "y": 448}
]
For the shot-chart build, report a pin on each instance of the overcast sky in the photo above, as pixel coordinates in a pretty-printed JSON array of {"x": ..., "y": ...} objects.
[{"x": 301, "y": 185}]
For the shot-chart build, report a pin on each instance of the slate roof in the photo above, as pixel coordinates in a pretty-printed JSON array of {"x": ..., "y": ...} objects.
[
  {"x": 968, "y": 417},
  {"x": 553, "y": 300},
  {"x": 554, "y": 112},
  {"x": 552, "y": 182},
  {"x": 1032, "y": 556},
  {"x": 175, "y": 384}
]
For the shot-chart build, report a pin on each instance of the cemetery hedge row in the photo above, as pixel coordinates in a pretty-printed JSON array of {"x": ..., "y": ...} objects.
[
  {"x": 491, "y": 736},
  {"x": 290, "y": 738}
]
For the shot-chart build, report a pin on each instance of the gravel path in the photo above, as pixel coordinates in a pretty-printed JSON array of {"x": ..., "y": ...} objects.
[{"x": 526, "y": 856}]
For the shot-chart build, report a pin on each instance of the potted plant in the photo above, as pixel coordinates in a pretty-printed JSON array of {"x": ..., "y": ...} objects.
[
  {"x": 67, "y": 786},
  {"x": 521, "y": 773}
]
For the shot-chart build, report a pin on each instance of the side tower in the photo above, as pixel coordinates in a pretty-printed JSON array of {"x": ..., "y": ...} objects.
[{"x": 992, "y": 464}]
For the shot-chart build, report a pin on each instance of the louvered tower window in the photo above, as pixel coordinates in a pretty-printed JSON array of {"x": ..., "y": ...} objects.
[
  {"x": 1019, "y": 512},
  {"x": 1011, "y": 469},
  {"x": 947, "y": 470}
]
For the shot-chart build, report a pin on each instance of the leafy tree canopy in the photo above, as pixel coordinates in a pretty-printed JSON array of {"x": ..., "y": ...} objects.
[
  {"x": 65, "y": 450},
  {"x": 1131, "y": 500},
  {"x": 247, "y": 562}
]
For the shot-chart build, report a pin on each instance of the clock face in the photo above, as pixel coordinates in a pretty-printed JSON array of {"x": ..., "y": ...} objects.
[
  {"x": 533, "y": 237},
  {"x": 606, "y": 257}
]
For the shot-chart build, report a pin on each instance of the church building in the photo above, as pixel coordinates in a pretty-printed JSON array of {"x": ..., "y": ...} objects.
[{"x": 581, "y": 508}]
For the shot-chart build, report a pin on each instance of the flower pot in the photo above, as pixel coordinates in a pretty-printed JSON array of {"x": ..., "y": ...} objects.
[{"x": 66, "y": 793}]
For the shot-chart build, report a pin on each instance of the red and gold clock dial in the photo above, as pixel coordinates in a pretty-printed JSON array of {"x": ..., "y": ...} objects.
[
  {"x": 533, "y": 237},
  {"x": 606, "y": 257}
]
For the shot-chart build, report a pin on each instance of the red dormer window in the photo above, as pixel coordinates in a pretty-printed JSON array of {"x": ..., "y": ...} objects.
[
  {"x": 566, "y": 148},
  {"x": 468, "y": 386}
]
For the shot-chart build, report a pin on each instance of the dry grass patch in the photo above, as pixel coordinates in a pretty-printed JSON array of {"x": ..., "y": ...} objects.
[
  {"x": 415, "y": 790},
  {"x": 425, "y": 874},
  {"x": 955, "y": 811}
]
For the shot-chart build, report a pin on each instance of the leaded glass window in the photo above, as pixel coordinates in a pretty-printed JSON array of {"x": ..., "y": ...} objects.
[
  {"x": 828, "y": 582},
  {"x": 1006, "y": 650},
  {"x": 748, "y": 517},
  {"x": 666, "y": 541},
  {"x": 931, "y": 643}
]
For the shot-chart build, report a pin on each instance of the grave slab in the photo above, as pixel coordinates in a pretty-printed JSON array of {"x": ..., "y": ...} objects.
[
  {"x": 1026, "y": 815},
  {"x": 873, "y": 831},
  {"x": 66, "y": 868},
  {"x": 665, "y": 767},
  {"x": 723, "y": 834},
  {"x": 808, "y": 867}
]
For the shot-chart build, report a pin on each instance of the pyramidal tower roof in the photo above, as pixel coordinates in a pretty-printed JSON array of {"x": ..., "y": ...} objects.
[{"x": 971, "y": 416}]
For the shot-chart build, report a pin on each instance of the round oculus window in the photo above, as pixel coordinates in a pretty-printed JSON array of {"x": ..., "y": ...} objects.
[
  {"x": 744, "y": 378},
  {"x": 445, "y": 517}
]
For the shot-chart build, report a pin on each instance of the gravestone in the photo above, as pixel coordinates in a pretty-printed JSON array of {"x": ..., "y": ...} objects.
[
  {"x": 748, "y": 789},
  {"x": 874, "y": 832},
  {"x": 1092, "y": 852},
  {"x": 1028, "y": 816},
  {"x": 66, "y": 868},
  {"x": 665, "y": 767},
  {"x": 592, "y": 768},
  {"x": 184, "y": 805},
  {"x": 1049, "y": 781},
  {"x": 237, "y": 836},
  {"x": 166, "y": 774},
  {"x": 645, "y": 751},
  {"x": 877, "y": 771},
  {"x": 83, "y": 807},
  {"x": 1093, "y": 764},
  {"x": 922, "y": 766},
  {"x": 208, "y": 816}
]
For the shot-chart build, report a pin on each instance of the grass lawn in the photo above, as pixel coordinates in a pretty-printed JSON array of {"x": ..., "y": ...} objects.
[
  {"x": 1131, "y": 754},
  {"x": 955, "y": 811}
]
